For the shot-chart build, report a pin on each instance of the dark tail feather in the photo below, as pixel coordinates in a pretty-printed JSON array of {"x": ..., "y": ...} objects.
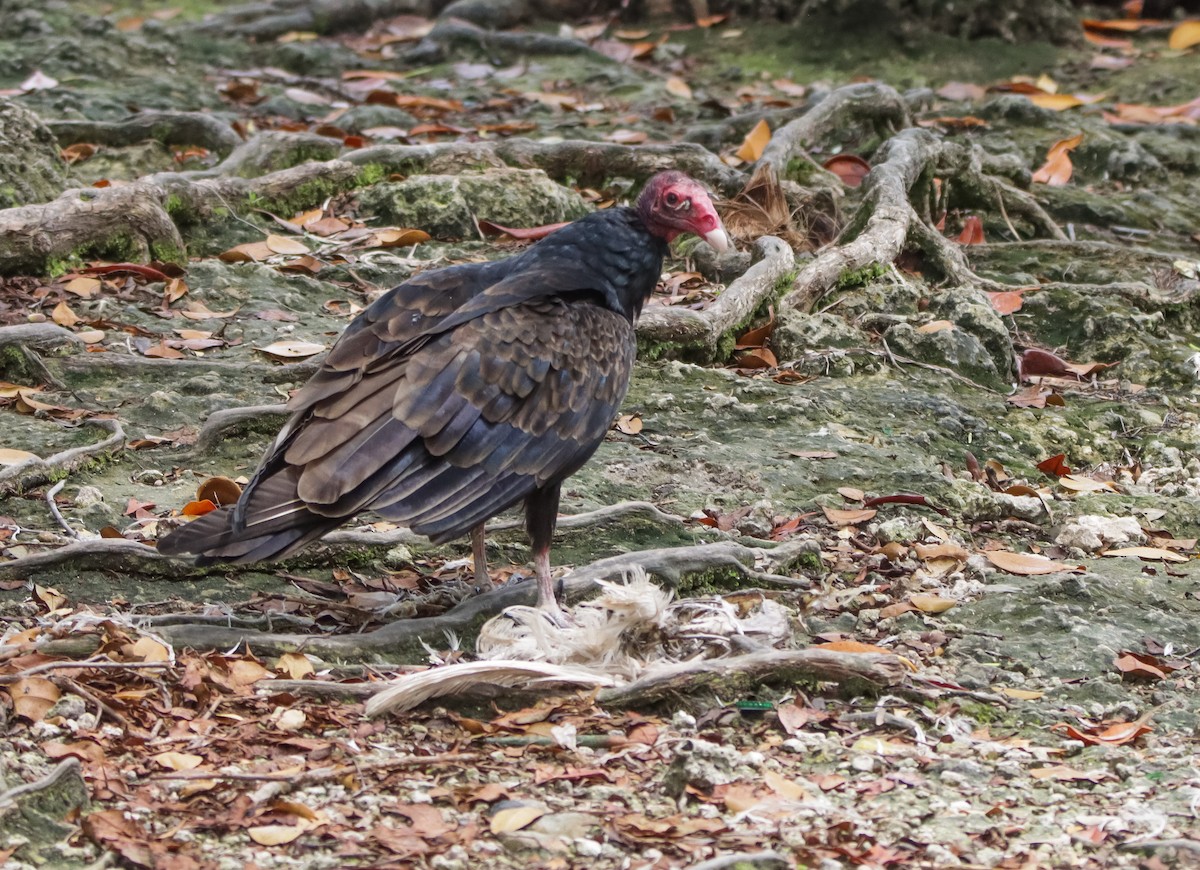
[{"x": 276, "y": 525}]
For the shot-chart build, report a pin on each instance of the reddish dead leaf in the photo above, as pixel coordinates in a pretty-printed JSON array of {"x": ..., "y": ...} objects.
[
  {"x": 401, "y": 238},
  {"x": 110, "y": 829},
  {"x": 529, "y": 234},
  {"x": 1055, "y": 465},
  {"x": 758, "y": 358},
  {"x": 972, "y": 231},
  {"x": 1057, "y": 169},
  {"x": 78, "y": 152},
  {"x": 904, "y": 498},
  {"x": 850, "y": 168},
  {"x": 198, "y": 508},
  {"x": 1113, "y": 735},
  {"x": 32, "y": 697},
  {"x": 1139, "y": 667},
  {"x": 1007, "y": 301},
  {"x": 149, "y": 273}
]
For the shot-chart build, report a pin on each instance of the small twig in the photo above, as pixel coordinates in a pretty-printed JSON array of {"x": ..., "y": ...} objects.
[
  {"x": 761, "y": 860},
  {"x": 58, "y": 517},
  {"x": 100, "y": 665},
  {"x": 65, "y": 768},
  {"x": 66, "y": 683},
  {"x": 324, "y": 774},
  {"x": 35, "y": 471},
  {"x": 1187, "y": 845}
]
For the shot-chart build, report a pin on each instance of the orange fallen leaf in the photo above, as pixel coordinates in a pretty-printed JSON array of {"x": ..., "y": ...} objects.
[
  {"x": 1057, "y": 169},
  {"x": 972, "y": 231},
  {"x": 755, "y": 143},
  {"x": 1184, "y": 36},
  {"x": 852, "y": 646},
  {"x": 1006, "y": 301}
]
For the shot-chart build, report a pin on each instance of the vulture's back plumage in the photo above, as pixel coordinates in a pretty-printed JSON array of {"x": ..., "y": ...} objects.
[{"x": 453, "y": 397}]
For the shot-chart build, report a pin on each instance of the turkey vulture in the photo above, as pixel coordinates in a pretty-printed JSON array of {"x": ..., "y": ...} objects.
[{"x": 464, "y": 391}]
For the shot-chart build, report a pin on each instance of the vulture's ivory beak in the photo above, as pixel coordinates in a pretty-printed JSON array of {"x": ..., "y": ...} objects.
[{"x": 717, "y": 239}]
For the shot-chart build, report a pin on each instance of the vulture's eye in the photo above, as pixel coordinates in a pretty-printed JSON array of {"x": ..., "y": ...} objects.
[{"x": 672, "y": 199}]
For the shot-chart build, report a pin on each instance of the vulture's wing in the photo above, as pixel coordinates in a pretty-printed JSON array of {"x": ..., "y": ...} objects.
[{"x": 439, "y": 430}]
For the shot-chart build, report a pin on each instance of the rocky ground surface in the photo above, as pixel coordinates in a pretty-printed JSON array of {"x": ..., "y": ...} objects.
[{"x": 972, "y": 460}]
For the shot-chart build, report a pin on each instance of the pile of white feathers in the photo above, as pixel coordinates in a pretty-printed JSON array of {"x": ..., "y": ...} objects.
[{"x": 631, "y": 630}]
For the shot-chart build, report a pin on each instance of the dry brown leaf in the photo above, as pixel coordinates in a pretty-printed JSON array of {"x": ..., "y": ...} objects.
[
  {"x": 928, "y": 603},
  {"x": 851, "y": 493},
  {"x": 629, "y": 424},
  {"x": 178, "y": 761},
  {"x": 276, "y": 835},
  {"x": 678, "y": 87},
  {"x": 291, "y": 349},
  {"x": 147, "y": 649},
  {"x": 400, "y": 238},
  {"x": 1075, "y": 483},
  {"x": 83, "y": 286},
  {"x": 295, "y": 665},
  {"x": 515, "y": 818},
  {"x": 936, "y": 326},
  {"x": 1026, "y": 564},
  {"x": 10, "y": 456},
  {"x": 848, "y": 517},
  {"x": 286, "y": 245},
  {"x": 32, "y": 697},
  {"x": 1151, "y": 553}
]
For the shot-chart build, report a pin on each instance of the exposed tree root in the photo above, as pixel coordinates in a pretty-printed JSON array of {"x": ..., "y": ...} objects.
[
  {"x": 451, "y": 33},
  {"x": 220, "y": 424},
  {"x": 701, "y": 332},
  {"x": 731, "y": 676},
  {"x": 736, "y": 675},
  {"x": 876, "y": 104},
  {"x": 402, "y": 640},
  {"x": 36, "y": 471},
  {"x": 600, "y": 516},
  {"x": 273, "y": 18},
  {"x": 101, "y": 554},
  {"x": 585, "y": 161},
  {"x": 886, "y": 222},
  {"x": 169, "y": 128},
  {"x": 27, "y": 339}
]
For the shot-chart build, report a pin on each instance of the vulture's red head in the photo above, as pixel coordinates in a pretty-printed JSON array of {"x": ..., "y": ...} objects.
[{"x": 671, "y": 203}]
